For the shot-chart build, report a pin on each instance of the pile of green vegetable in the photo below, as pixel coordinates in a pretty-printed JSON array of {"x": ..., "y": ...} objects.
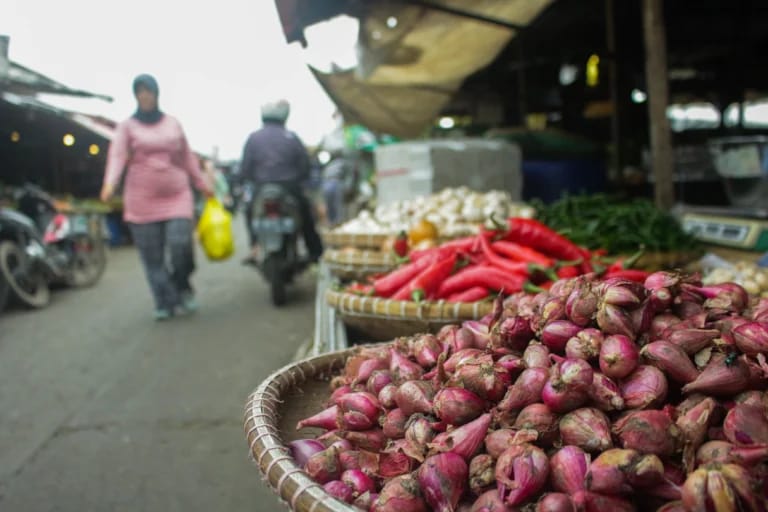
[{"x": 600, "y": 221}]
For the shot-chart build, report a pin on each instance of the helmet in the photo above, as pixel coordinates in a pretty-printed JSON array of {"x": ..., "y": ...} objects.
[{"x": 275, "y": 111}]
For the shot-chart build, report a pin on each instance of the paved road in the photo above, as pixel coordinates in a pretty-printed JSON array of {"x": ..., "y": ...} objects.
[{"x": 103, "y": 409}]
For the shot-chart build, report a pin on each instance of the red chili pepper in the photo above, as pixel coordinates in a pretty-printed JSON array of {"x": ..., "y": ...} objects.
[
  {"x": 625, "y": 263},
  {"x": 638, "y": 276},
  {"x": 488, "y": 277},
  {"x": 427, "y": 282},
  {"x": 473, "y": 294},
  {"x": 568, "y": 271},
  {"x": 521, "y": 253},
  {"x": 460, "y": 244},
  {"x": 360, "y": 289},
  {"x": 534, "y": 234},
  {"x": 494, "y": 259},
  {"x": 401, "y": 244},
  {"x": 600, "y": 252},
  {"x": 441, "y": 251},
  {"x": 392, "y": 282}
]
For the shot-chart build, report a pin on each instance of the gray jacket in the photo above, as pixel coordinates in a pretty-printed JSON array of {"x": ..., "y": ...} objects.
[{"x": 274, "y": 154}]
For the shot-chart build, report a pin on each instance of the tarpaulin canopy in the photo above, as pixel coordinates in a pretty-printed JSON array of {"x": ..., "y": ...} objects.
[{"x": 412, "y": 56}]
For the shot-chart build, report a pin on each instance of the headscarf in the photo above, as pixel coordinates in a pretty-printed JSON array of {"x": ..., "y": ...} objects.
[{"x": 149, "y": 82}]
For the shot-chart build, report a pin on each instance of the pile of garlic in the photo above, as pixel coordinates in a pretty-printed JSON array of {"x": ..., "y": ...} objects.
[
  {"x": 754, "y": 279},
  {"x": 455, "y": 212}
]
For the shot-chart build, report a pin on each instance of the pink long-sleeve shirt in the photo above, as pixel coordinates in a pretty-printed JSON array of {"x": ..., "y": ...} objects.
[{"x": 160, "y": 166}]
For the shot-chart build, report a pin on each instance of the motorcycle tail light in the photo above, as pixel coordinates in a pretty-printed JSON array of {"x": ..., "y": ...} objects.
[{"x": 272, "y": 208}]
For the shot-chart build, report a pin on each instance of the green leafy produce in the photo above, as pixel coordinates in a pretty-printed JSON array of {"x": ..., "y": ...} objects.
[{"x": 619, "y": 226}]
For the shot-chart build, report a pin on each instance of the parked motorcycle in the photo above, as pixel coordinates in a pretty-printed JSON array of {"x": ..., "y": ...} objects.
[
  {"x": 276, "y": 222},
  {"x": 39, "y": 246}
]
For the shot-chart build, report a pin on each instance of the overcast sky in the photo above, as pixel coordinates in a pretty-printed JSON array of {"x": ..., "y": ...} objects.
[{"x": 216, "y": 62}]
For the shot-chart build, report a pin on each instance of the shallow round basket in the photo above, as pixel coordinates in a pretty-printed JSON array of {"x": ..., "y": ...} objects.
[
  {"x": 653, "y": 261},
  {"x": 292, "y": 393},
  {"x": 380, "y": 319},
  {"x": 357, "y": 263},
  {"x": 357, "y": 240}
]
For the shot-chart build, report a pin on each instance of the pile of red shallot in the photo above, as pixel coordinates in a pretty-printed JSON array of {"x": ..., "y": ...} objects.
[{"x": 596, "y": 396}]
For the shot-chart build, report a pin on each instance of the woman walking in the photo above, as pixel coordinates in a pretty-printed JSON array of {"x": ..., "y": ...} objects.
[{"x": 158, "y": 200}]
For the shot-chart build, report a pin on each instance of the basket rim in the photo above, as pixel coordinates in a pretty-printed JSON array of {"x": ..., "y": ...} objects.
[
  {"x": 266, "y": 447},
  {"x": 378, "y": 307}
]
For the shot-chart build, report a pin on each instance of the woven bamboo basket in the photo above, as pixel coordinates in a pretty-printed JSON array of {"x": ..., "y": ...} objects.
[
  {"x": 357, "y": 240},
  {"x": 271, "y": 413},
  {"x": 357, "y": 263},
  {"x": 382, "y": 319},
  {"x": 653, "y": 261}
]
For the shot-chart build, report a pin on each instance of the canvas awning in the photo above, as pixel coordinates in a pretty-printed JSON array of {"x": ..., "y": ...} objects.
[{"x": 408, "y": 72}]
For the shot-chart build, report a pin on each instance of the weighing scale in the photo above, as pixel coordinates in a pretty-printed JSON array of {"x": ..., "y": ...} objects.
[{"x": 742, "y": 228}]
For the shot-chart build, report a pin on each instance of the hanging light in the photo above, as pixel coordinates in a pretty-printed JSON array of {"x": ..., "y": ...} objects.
[
  {"x": 15, "y": 136},
  {"x": 94, "y": 149},
  {"x": 68, "y": 139},
  {"x": 593, "y": 70},
  {"x": 323, "y": 157},
  {"x": 638, "y": 96},
  {"x": 446, "y": 123},
  {"x": 391, "y": 22}
]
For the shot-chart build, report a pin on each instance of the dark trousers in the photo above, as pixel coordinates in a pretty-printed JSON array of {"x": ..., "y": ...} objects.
[
  {"x": 309, "y": 231},
  {"x": 168, "y": 257}
]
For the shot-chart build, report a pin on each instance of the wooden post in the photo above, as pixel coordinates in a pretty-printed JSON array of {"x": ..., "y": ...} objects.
[
  {"x": 614, "y": 172},
  {"x": 658, "y": 99}
]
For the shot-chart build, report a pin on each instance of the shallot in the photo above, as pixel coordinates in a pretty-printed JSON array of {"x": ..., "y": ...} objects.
[
  {"x": 568, "y": 469},
  {"x": 540, "y": 418},
  {"x": 457, "y": 406},
  {"x": 358, "y": 481},
  {"x": 648, "y": 432},
  {"x": 402, "y": 368},
  {"x": 586, "y": 428},
  {"x": 671, "y": 359},
  {"x": 526, "y": 390},
  {"x": 359, "y": 411},
  {"x": 746, "y": 425},
  {"x": 401, "y": 494},
  {"x": 645, "y": 387},
  {"x": 443, "y": 479},
  {"x": 464, "y": 440},
  {"x": 557, "y": 333},
  {"x": 724, "y": 375},
  {"x": 521, "y": 472},
  {"x": 302, "y": 449},
  {"x": 481, "y": 473},
  {"x": 324, "y": 466},
  {"x": 387, "y": 396},
  {"x": 605, "y": 394},
  {"x": 339, "y": 490},
  {"x": 415, "y": 396},
  {"x": 618, "y": 356}
]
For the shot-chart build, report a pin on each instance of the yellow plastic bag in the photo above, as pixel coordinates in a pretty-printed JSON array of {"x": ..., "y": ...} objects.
[{"x": 215, "y": 231}]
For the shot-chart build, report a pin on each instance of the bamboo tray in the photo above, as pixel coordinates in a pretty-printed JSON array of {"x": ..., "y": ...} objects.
[
  {"x": 271, "y": 413},
  {"x": 357, "y": 263},
  {"x": 383, "y": 319},
  {"x": 357, "y": 240}
]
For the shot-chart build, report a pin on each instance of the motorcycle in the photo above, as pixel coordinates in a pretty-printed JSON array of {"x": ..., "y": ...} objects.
[
  {"x": 40, "y": 246},
  {"x": 276, "y": 222}
]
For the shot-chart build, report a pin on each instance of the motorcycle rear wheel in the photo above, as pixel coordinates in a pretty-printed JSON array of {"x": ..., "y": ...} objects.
[
  {"x": 88, "y": 263},
  {"x": 29, "y": 289},
  {"x": 276, "y": 278},
  {"x": 5, "y": 291}
]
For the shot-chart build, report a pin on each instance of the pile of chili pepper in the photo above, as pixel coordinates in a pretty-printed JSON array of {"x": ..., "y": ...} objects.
[{"x": 523, "y": 254}]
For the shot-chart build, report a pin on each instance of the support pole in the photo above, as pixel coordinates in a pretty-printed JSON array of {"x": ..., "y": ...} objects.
[
  {"x": 614, "y": 172},
  {"x": 658, "y": 99}
]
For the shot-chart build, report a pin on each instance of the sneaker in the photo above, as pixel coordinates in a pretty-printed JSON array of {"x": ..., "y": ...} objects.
[
  {"x": 162, "y": 315},
  {"x": 188, "y": 303}
]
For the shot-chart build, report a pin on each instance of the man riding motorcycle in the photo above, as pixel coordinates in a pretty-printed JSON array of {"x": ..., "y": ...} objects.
[{"x": 274, "y": 154}]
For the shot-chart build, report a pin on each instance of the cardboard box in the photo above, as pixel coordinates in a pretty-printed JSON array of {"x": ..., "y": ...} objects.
[{"x": 410, "y": 169}]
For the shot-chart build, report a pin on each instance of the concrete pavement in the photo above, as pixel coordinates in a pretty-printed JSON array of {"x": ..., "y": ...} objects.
[{"x": 103, "y": 409}]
